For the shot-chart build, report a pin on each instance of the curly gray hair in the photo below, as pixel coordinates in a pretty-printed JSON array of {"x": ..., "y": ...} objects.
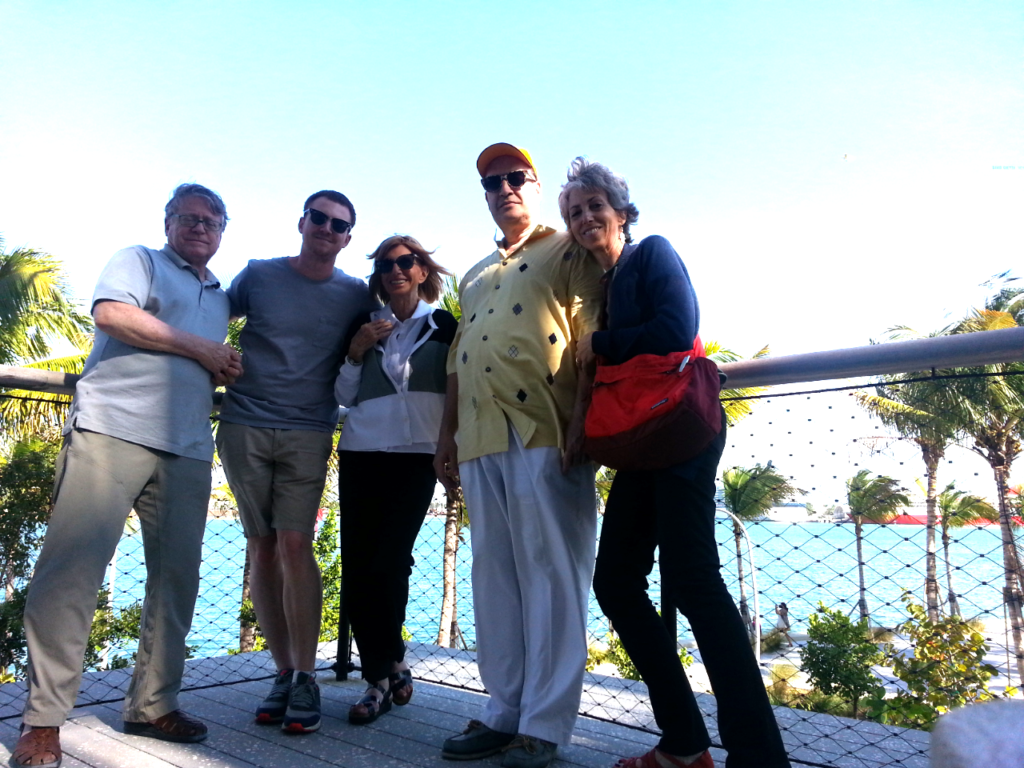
[{"x": 586, "y": 175}]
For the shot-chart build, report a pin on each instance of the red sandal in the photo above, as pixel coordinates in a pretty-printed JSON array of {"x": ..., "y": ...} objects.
[{"x": 650, "y": 760}]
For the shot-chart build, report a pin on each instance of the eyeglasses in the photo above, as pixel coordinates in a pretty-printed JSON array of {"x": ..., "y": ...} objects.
[
  {"x": 188, "y": 221},
  {"x": 404, "y": 262},
  {"x": 515, "y": 179},
  {"x": 319, "y": 218}
]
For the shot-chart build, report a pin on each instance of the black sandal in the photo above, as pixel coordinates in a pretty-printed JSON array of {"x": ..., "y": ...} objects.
[
  {"x": 371, "y": 706},
  {"x": 400, "y": 681}
]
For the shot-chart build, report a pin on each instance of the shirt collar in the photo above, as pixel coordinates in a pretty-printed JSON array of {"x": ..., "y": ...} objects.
[
  {"x": 176, "y": 260},
  {"x": 539, "y": 232},
  {"x": 385, "y": 313}
]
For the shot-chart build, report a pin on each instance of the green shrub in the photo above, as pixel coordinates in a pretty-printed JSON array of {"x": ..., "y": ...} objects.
[
  {"x": 12, "y": 636},
  {"x": 947, "y": 670},
  {"x": 328, "y": 557},
  {"x": 839, "y": 655},
  {"x": 596, "y": 656},
  {"x": 977, "y": 624},
  {"x": 771, "y": 641},
  {"x": 616, "y": 654}
]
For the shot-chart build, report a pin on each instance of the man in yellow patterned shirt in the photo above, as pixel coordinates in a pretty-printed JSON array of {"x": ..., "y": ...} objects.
[{"x": 511, "y": 431}]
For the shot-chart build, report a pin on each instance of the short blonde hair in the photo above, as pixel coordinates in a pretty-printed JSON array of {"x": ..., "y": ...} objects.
[{"x": 430, "y": 289}]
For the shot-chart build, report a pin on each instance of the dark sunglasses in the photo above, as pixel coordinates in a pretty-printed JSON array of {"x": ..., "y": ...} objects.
[
  {"x": 404, "y": 262},
  {"x": 319, "y": 218},
  {"x": 515, "y": 179}
]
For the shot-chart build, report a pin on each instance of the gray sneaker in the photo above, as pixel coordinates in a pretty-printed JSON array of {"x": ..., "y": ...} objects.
[
  {"x": 274, "y": 706},
  {"x": 475, "y": 742},
  {"x": 528, "y": 752},
  {"x": 303, "y": 712}
]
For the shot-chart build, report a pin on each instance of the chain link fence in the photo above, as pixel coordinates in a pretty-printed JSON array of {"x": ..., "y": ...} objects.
[{"x": 807, "y": 555}]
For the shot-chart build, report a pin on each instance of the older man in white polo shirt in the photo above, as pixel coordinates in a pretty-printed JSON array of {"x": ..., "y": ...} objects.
[{"x": 138, "y": 436}]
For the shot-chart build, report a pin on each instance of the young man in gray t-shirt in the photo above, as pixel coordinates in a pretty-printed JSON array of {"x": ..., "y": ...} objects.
[{"x": 275, "y": 437}]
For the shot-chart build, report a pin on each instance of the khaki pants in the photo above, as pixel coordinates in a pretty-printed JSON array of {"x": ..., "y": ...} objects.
[{"x": 99, "y": 480}]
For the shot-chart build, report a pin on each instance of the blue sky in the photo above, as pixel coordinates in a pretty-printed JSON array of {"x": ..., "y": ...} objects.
[{"x": 826, "y": 170}]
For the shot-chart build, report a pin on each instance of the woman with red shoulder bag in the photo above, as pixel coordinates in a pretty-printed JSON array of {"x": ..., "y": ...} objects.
[{"x": 652, "y": 310}]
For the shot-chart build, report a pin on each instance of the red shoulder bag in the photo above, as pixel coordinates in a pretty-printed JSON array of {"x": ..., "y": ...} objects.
[{"x": 654, "y": 411}]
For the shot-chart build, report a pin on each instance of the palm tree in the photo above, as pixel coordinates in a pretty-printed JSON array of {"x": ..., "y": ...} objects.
[
  {"x": 875, "y": 500},
  {"x": 37, "y": 313},
  {"x": 448, "y": 633},
  {"x": 749, "y": 492},
  {"x": 959, "y": 508},
  {"x": 992, "y": 409},
  {"x": 992, "y": 416},
  {"x": 455, "y": 518},
  {"x": 924, "y": 412}
]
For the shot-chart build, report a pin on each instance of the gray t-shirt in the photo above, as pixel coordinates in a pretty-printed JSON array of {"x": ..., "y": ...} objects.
[
  {"x": 156, "y": 399},
  {"x": 292, "y": 345}
]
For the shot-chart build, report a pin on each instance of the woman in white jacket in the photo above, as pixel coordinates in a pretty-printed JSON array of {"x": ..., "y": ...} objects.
[{"x": 393, "y": 382}]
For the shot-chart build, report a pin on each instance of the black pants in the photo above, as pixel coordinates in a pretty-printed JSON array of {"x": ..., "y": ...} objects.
[
  {"x": 674, "y": 509},
  {"x": 383, "y": 498}
]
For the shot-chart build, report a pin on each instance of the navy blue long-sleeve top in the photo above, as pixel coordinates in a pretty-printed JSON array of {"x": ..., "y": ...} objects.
[{"x": 652, "y": 308}]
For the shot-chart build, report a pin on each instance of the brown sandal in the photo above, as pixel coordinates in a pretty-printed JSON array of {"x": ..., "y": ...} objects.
[
  {"x": 35, "y": 746},
  {"x": 174, "y": 726},
  {"x": 401, "y": 686}
]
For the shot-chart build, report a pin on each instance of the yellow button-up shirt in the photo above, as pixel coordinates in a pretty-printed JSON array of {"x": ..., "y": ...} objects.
[{"x": 515, "y": 348}]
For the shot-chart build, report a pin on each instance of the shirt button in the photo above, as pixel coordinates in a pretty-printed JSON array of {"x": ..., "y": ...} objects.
[
  {"x": 490, "y": 311},
  {"x": 485, "y": 338},
  {"x": 504, "y": 263},
  {"x": 488, "y": 369}
]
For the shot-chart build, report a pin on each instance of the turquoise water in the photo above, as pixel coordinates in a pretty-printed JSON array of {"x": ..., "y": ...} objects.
[{"x": 800, "y": 564}]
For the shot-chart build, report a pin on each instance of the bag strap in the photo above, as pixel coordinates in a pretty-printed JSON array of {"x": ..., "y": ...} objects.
[{"x": 698, "y": 347}]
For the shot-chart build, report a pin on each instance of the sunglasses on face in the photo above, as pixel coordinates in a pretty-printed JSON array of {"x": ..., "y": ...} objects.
[
  {"x": 515, "y": 179},
  {"x": 404, "y": 262},
  {"x": 319, "y": 218}
]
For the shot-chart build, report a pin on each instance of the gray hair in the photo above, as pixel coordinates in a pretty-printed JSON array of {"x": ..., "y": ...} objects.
[
  {"x": 585, "y": 175},
  {"x": 184, "y": 191}
]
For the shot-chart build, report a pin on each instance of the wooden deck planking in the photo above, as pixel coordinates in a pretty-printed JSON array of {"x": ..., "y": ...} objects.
[
  {"x": 411, "y": 736},
  {"x": 408, "y": 737}
]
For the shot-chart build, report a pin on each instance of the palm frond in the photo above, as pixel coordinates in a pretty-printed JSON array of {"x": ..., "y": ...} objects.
[
  {"x": 449, "y": 300},
  {"x": 959, "y": 508},
  {"x": 875, "y": 499},
  {"x": 750, "y": 492},
  {"x": 735, "y": 410}
]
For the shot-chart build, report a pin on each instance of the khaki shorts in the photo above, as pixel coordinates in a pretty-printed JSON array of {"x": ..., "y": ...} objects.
[{"x": 277, "y": 475}]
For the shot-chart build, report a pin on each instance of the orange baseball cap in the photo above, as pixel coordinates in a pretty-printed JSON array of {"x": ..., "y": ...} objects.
[{"x": 501, "y": 149}]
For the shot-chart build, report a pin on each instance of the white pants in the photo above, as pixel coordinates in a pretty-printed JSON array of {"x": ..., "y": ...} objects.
[{"x": 533, "y": 535}]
